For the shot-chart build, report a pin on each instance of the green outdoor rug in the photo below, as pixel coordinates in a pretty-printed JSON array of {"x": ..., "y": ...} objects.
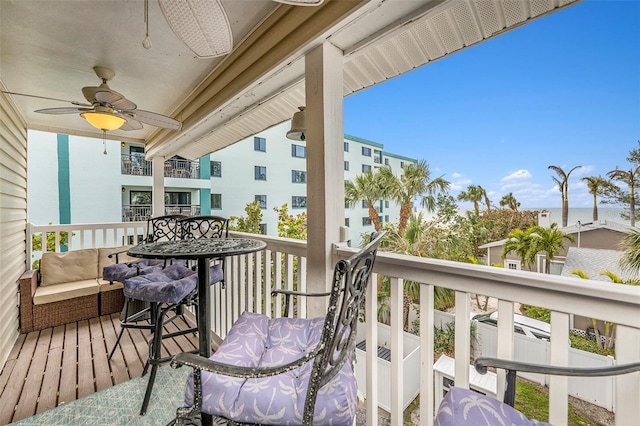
[{"x": 120, "y": 404}]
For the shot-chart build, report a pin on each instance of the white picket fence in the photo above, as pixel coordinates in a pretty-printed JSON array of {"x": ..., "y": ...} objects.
[{"x": 595, "y": 390}]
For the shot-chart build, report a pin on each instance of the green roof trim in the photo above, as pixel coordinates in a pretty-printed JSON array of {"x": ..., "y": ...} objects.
[
  {"x": 399, "y": 157},
  {"x": 364, "y": 141}
]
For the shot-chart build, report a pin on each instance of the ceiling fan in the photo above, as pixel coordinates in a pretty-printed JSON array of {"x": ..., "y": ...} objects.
[{"x": 109, "y": 110}]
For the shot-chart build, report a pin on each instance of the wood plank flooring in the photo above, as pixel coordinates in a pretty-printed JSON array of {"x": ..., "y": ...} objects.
[{"x": 50, "y": 367}]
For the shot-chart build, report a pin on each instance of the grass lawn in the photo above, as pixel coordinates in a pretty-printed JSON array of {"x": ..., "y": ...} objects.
[{"x": 533, "y": 402}]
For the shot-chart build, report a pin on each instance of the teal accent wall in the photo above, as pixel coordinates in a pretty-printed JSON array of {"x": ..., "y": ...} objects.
[
  {"x": 205, "y": 167},
  {"x": 205, "y": 193},
  {"x": 64, "y": 184},
  {"x": 205, "y": 201}
]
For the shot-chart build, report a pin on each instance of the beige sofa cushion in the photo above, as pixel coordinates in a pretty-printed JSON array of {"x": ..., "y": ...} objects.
[
  {"x": 75, "y": 265},
  {"x": 65, "y": 291},
  {"x": 104, "y": 260},
  {"x": 106, "y": 286}
]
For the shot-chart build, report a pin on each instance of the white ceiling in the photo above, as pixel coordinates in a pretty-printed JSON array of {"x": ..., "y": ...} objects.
[{"x": 48, "y": 48}]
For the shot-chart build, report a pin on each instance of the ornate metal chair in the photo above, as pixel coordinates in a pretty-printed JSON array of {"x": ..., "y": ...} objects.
[
  {"x": 162, "y": 228},
  {"x": 285, "y": 370},
  {"x": 466, "y": 407},
  {"x": 171, "y": 289}
]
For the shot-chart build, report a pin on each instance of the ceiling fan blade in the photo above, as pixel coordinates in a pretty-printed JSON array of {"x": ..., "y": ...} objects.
[
  {"x": 48, "y": 98},
  {"x": 153, "y": 119},
  {"x": 301, "y": 2},
  {"x": 115, "y": 99},
  {"x": 63, "y": 110},
  {"x": 131, "y": 124},
  {"x": 202, "y": 25}
]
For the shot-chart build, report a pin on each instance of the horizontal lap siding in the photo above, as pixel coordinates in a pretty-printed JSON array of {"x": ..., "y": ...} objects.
[{"x": 13, "y": 219}]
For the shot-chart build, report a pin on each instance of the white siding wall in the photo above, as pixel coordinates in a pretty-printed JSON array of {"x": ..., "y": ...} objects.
[{"x": 13, "y": 219}]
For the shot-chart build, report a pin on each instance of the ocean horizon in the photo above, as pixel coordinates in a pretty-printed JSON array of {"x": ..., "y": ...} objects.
[{"x": 582, "y": 214}]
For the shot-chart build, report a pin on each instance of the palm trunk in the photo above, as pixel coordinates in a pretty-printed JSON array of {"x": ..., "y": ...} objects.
[
  {"x": 565, "y": 210},
  {"x": 373, "y": 215},
  {"x": 632, "y": 204},
  {"x": 405, "y": 213},
  {"x": 595, "y": 208}
]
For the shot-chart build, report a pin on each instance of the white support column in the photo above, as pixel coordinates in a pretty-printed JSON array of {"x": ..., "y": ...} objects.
[
  {"x": 157, "y": 194},
  {"x": 627, "y": 390},
  {"x": 325, "y": 163},
  {"x": 396, "y": 305},
  {"x": 559, "y": 385},
  {"x": 371, "y": 355},
  {"x": 426, "y": 355}
]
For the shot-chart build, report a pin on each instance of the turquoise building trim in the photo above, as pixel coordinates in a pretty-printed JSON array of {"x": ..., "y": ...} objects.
[
  {"x": 205, "y": 167},
  {"x": 205, "y": 201},
  {"x": 64, "y": 183}
]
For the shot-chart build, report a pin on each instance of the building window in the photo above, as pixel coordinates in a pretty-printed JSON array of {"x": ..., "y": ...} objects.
[
  {"x": 216, "y": 201},
  {"x": 216, "y": 169},
  {"x": 514, "y": 265},
  {"x": 298, "y": 176},
  {"x": 298, "y": 202},
  {"x": 364, "y": 204},
  {"x": 366, "y": 151},
  {"x": 386, "y": 204},
  {"x": 386, "y": 161},
  {"x": 346, "y": 147},
  {"x": 298, "y": 151},
  {"x": 259, "y": 144},
  {"x": 366, "y": 221},
  {"x": 402, "y": 164},
  {"x": 346, "y": 165},
  {"x": 365, "y": 168},
  {"x": 263, "y": 228},
  {"x": 346, "y": 221},
  {"x": 386, "y": 219},
  {"x": 263, "y": 201},
  {"x": 377, "y": 157},
  {"x": 260, "y": 173}
]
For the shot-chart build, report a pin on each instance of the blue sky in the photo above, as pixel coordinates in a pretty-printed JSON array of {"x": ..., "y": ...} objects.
[{"x": 563, "y": 90}]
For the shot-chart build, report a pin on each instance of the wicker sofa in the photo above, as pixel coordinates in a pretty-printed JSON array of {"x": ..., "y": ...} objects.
[{"x": 69, "y": 287}]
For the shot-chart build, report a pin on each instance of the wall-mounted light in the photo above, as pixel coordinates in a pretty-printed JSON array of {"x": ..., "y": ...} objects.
[
  {"x": 298, "y": 126},
  {"x": 122, "y": 144}
]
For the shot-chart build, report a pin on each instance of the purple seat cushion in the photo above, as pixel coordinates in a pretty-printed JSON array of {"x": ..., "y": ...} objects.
[
  {"x": 169, "y": 285},
  {"x": 469, "y": 408},
  {"x": 121, "y": 271},
  {"x": 255, "y": 340}
]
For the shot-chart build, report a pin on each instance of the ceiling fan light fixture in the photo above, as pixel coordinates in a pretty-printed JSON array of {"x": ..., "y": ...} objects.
[
  {"x": 301, "y": 2},
  {"x": 103, "y": 120}
]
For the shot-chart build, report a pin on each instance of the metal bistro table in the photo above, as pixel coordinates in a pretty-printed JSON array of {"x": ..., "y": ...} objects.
[{"x": 202, "y": 250}]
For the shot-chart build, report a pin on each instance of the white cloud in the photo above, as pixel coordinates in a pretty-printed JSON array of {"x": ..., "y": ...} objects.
[
  {"x": 456, "y": 175},
  {"x": 517, "y": 176}
]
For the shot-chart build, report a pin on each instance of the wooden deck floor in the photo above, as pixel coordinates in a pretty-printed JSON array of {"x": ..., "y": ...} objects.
[{"x": 49, "y": 367}]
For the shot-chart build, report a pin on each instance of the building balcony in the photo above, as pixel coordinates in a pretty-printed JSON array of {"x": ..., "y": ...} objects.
[
  {"x": 136, "y": 165},
  {"x": 251, "y": 278},
  {"x": 135, "y": 213}
]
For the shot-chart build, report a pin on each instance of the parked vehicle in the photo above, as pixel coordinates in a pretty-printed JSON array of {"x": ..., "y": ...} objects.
[{"x": 521, "y": 324}]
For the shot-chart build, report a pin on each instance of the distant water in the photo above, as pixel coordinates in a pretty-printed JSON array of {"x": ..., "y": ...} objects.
[
  {"x": 585, "y": 215},
  {"x": 582, "y": 214}
]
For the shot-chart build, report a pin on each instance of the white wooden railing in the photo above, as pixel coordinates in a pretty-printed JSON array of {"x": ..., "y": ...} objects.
[{"x": 249, "y": 280}]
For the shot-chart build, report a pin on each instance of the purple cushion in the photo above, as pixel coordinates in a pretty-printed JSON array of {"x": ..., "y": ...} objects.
[
  {"x": 169, "y": 285},
  {"x": 121, "y": 271},
  {"x": 255, "y": 340},
  {"x": 466, "y": 407}
]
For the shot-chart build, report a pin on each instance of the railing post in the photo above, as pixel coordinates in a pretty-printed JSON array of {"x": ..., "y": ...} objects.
[
  {"x": 397, "y": 329},
  {"x": 627, "y": 394},
  {"x": 372, "y": 355},
  {"x": 462, "y": 339},
  {"x": 559, "y": 385},
  {"x": 505, "y": 349},
  {"x": 426, "y": 355}
]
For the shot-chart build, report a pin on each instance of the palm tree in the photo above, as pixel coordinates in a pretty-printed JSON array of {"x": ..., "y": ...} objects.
[
  {"x": 509, "y": 201},
  {"x": 595, "y": 184},
  {"x": 519, "y": 242},
  {"x": 365, "y": 187},
  {"x": 548, "y": 240},
  {"x": 563, "y": 185},
  {"x": 630, "y": 245},
  {"x": 474, "y": 194},
  {"x": 630, "y": 177},
  {"x": 412, "y": 183}
]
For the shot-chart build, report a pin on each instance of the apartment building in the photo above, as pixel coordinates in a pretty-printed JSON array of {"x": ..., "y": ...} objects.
[{"x": 71, "y": 181}]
